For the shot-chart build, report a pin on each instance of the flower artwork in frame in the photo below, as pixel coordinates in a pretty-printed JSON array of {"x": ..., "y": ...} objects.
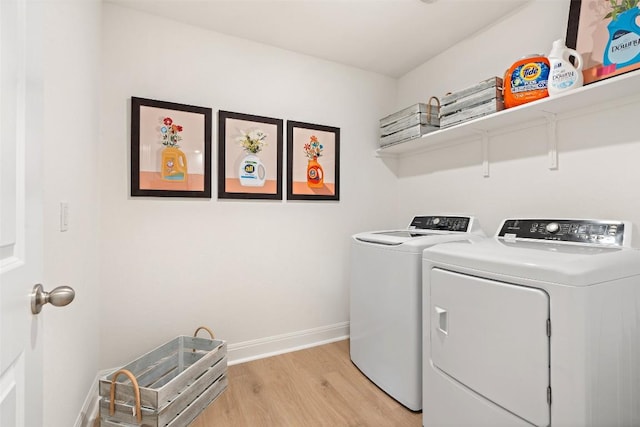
[
  {"x": 170, "y": 149},
  {"x": 313, "y": 162},
  {"x": 249, "y": 156},
  {"x": 606, "y": 35}
]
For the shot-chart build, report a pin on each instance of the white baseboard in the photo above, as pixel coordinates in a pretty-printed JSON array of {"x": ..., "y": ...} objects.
[
  {"x": 89, "y": 412},
  {"x": 285, "y": 343},
  {"x": 238, "y": 353}
]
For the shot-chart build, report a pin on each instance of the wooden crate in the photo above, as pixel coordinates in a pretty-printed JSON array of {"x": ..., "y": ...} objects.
[
  {"x": 406, "y": 134},
  {"x": 476, "y": 101},
  {"x": 470, "y": 113},
  {"x": 171, "y": 385},
  {"x": 411, "y": 122},
  {"x": 490, "y": 83}
]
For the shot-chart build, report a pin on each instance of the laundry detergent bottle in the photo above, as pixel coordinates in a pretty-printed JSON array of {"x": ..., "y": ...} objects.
[
  {"x": 623, "y": 47},
  {"x": 563, "y": 76},
  {"x": 174, "y": 164},
  {"x": 252, "y": 172},
  {"x": 526, "y": 80}
]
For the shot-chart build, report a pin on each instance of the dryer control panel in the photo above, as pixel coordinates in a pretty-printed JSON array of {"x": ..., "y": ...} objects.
[
  {"x": 446, "y": 223},
  {"x": 594, "y": 232}
]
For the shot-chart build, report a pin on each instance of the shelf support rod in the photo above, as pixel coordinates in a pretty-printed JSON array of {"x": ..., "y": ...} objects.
[
  {"x": 485, "y": 152},
  {"x": 552, "y": 140}
]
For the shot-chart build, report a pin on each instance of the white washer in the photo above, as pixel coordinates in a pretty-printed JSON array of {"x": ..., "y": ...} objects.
[
  {"x": 386, "y": 302},
  {"x": 537, "y": 326}
]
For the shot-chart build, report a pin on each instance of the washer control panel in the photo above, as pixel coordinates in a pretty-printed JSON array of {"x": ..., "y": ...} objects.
[
  {"x": 593, "y": 232},
  {"x": 446, "y": 223}
]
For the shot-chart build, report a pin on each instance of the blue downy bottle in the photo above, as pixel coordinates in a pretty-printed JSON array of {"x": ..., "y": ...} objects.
[{"x": 623, "y": 47}]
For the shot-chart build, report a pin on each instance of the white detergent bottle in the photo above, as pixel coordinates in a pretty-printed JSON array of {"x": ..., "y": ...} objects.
[{"x": 563, "y": 76}]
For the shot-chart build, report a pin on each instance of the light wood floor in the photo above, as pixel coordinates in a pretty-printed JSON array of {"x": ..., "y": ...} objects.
[{"x": 307, "y": 388}]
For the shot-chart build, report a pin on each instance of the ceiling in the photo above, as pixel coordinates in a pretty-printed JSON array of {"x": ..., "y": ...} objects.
[{"x": 389, "y": 37}]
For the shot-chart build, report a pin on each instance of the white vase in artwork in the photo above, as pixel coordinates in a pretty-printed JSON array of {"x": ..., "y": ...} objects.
[{"x": 252, "y": 172}]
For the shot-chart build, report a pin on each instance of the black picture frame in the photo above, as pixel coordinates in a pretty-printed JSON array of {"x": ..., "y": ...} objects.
[
  {"x": 243, "y": 173},
  {"x": 184, "y": 171},
  {"x": 590, "y": 31},
  {"x": 306, "y": 181}
]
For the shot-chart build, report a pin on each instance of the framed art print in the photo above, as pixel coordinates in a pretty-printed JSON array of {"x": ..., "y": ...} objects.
[
  {"x": 249, "y": 156},
  {"x": 313, "y": 162},
  {"x": 170, "y": 149},
  {"x": 606, "y": 35}
]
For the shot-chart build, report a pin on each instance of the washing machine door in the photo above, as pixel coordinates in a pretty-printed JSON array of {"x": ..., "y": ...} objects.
[{"x": 491, "y": 337}]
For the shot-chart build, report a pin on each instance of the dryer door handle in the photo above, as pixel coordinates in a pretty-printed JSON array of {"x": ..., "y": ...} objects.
[{"x": 442, "y": 319}]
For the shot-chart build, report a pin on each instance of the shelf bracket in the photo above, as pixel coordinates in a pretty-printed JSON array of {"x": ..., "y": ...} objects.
[
  {"x": 485, "y": 152},
  {"x": 552, "y": 140}
]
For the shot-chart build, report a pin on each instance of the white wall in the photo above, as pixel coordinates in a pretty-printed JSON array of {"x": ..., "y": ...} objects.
[
  {"x": 71, "y": 95},
  {"x": 258, "y": 269},
  {"x": 248, "y": 269},
  {"x": 598, "y": 151}
]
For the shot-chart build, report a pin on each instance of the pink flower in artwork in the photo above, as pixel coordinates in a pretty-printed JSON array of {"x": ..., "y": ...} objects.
[
  {"x": 169, "y": 133},
  {"x": 313, "y": 149}
]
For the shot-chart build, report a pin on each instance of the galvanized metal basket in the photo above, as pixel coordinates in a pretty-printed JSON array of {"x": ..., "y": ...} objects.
[{"x": 167, "y": 387}]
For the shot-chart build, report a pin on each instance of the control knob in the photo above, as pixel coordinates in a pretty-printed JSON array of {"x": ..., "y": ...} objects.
[{"x": 552, "y": 227}]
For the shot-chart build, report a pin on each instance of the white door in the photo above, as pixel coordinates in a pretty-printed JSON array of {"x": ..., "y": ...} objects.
[
  {"x": 492, "y": 338},
  {"x": 21, "y": 233}
]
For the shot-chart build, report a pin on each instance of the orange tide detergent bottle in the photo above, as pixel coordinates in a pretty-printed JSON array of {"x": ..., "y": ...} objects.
[{"x": 526, "y": 80}]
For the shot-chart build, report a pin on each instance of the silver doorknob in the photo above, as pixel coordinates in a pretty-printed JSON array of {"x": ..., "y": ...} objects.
[{"x": 60, "y": 296}]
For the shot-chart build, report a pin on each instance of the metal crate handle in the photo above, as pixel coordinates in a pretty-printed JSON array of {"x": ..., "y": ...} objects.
[
  {"x": 136, "y": 391},
  {"x": 206, "y": 329}
]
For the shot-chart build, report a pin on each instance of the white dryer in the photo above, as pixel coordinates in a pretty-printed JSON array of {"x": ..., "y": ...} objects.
[
  {"x": 386, "y": 301},
  {"x": 537, "y": 326}
]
